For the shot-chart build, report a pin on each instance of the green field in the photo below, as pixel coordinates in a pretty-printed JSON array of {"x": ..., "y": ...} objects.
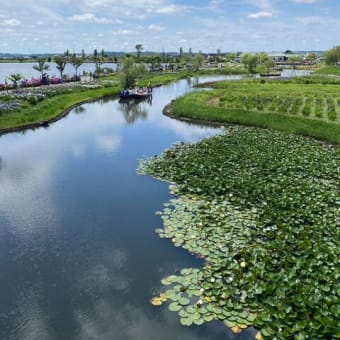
[{"x": 308, "y": 106}]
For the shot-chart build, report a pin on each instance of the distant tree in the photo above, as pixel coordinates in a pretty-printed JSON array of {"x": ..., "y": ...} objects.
[
  {"x": 130, "y": 72},
  {"x": 14, "y": 78},
  {"x": 332, "y": 56},
  {"x": 250, "y": 61},
  {"x": 67, "y": 55},
  {"x": 288, "y": 52},
  {"x": 76, "y": 62},
  {"x": 231, "y": 56},
  {"x": 42, "y": 67},
  {"x": 61, "y": 63},
  {"x": 295, "y": 60},
  {"x": 139, "y": 48},
  {"x": 311, "y": 58},
  {"x": 197, "y": 61},
  {"x": 264, "y": 59},
  {"x": 218, "y": 54},
  {"x": 97, "y": 61}
]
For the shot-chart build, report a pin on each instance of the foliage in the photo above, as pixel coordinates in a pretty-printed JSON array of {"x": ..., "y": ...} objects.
[
  {"x": 139, "y": 49},
  {"x": 262, "y": 208},
  {"x": 14, "y": 78},
  {"x": 60, "y": 64},
  {"x": 49, "y": 104},
  {"x": 329, "y": 70},
  {"x": 42, "y": 66},
  {"x": 332, "y": 56},
  {"x": 130, "y": 73},
  {"x": 76, "y": 62},
  {"x": 250, "y": 61},
  {"x": 308, "y": 106}
]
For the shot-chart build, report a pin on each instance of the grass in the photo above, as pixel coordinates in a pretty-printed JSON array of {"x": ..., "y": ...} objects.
[
  {"x": 329, "y": 70},
  {"x": 311, "y": 109},
  {"x": 33, "y": 111}
]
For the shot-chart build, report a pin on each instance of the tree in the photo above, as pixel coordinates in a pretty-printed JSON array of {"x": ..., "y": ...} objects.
[
  {"x": 76, "y": 62},
  {"x": 61, "y": 63},
  {"x": 295, "y": 60},
  {"x": 311, "y": 58},
  {"x": 42, "y": 67},
  {"x": 264, "y": 59},
  {"x": 332, "y": 56},
  {"x": 97, "y": 60},
  {"x": 14, "y": 78},
  {"x": 139, "y": 48},
  {"x": 250, "y": 61},
  {"x": 197, "y": 61},
  {"x": 130, "y": 72}
]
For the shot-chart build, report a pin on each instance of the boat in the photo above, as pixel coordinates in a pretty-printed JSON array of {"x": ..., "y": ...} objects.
[{"x": 136, "y": 94}]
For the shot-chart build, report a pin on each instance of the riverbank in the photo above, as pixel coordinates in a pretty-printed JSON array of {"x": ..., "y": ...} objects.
[
  {"x": 33, "y": 107},
  {"x": 295, "y": 106},
  {"x": 43, "y": 105}
]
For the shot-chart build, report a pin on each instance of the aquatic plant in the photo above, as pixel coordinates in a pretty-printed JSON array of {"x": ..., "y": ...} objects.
[{"x": 262, "y": 209}]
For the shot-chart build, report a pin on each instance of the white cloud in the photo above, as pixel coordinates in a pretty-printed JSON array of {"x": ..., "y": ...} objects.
[
  {"x": 11, "y": 22},
  {"x": 259, "y": 15},
  {"x": 172, "y": 9},
  {"x": 91, "y": 18},
  {"x": 155, "y": 28}
]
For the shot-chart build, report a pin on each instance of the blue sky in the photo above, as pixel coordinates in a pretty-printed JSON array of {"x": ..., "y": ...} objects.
[{"x": 43, "y": 26}]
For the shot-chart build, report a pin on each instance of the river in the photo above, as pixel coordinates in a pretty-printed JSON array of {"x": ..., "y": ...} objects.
[
  {"x": 79, "y": 258},
  {"x": 28, "y": 72}
]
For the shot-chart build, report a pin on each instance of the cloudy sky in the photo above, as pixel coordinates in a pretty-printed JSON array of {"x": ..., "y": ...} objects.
[{"x": 43, "y": 26}]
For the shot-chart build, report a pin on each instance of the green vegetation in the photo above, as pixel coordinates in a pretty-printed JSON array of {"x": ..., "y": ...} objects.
[
  {"x": 332, "y": 56},
  {"x": 308, "y": 106},
  {"x": 329, "y": 70},
  {"x": 261, "y": 207},
  {"x": 41, "y": 106}
]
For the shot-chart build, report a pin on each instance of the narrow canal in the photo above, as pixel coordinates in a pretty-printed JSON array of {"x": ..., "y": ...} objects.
[{"x": 79, "y": 258}]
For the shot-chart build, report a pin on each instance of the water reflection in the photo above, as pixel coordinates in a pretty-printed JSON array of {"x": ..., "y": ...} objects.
[
  {"x": 133, "y": 110},
  {"x": 79, "y": 109},
  {"x": 79, "y": 258}
]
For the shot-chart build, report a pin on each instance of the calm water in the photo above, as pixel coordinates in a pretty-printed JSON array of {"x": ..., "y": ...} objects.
[
  {"x": 27, "y": 71},
  {"x": 79, "y": 258}
]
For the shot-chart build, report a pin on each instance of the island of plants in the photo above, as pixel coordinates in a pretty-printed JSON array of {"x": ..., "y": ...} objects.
[
  {"x": 262, "y": 208},
  {"x": 308, "y": 106}
]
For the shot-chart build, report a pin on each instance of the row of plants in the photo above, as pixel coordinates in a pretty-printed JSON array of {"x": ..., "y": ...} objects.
[
  {"x": 285, "y": 104},
  {"x": 262, "y": 208},
  {"x": 309, "y": 109}
]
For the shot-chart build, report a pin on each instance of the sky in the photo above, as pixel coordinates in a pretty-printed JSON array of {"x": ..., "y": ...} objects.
[{"x": 44, "y": 26}]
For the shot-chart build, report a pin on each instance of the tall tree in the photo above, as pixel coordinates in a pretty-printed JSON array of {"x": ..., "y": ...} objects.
[
  {"x": 42, "y": 67},
  {"x": 130, "y": 72},
  {"x": 60, "y": 64},
  {"x": 197, "y": 61},
  {"x": 139, "y": 48},
  {"x": 76, "y": 62}
]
